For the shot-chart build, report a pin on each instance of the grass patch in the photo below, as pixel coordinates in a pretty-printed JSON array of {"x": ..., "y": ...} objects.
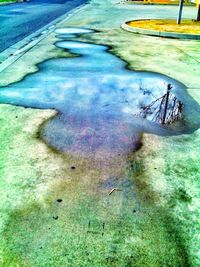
[
  {"x": 7, "y": 1},
  {"x": 187, "y": 26}
]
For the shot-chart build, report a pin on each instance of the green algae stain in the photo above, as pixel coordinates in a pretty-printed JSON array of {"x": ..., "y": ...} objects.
[{"x": 90, "y": 228}]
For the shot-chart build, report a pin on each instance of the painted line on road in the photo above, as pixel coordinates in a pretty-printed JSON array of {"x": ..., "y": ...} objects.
[{"x": 16, "y": 51}]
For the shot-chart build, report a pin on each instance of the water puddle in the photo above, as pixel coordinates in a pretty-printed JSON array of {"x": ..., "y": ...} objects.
[{"x": 97, "y": 98}]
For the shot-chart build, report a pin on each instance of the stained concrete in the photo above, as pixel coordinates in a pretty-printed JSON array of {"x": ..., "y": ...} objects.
[{"x": 153, "y": 220}]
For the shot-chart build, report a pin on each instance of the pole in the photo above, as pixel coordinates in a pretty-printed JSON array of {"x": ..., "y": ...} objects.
[
  {"x": 198, "y": 12},
  {"x": 180, "y": 11},
  {"x": 169, "y": 87}
]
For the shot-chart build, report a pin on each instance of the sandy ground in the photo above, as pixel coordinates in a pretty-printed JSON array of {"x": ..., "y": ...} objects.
[{"x": 153, "y": 220}]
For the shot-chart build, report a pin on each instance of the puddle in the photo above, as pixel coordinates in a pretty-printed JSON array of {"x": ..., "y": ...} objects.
[{"x": 97, "y": 99}]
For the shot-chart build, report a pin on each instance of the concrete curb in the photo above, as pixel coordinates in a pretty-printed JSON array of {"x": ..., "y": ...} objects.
[
  {"x": 156, "y": 4},
  {"x": 13, "y": 53},
  {"x": 158, "y": 33}
]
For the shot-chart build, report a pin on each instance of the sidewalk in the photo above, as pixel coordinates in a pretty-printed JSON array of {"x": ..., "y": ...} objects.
[{"x": 151, "y": 221}]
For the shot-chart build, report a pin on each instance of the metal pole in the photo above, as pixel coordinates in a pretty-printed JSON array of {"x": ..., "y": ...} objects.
[
  {"x": 169, "y": 87},
  {"x": 198, "y": 12},
  {"x": 180, "y": 11}
]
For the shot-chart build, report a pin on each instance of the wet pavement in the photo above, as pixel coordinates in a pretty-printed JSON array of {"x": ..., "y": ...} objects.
[{"x": 97, "y": 99}]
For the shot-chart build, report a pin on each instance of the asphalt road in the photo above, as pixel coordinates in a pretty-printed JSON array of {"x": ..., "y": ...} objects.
[{"x": 19, "y": 20}]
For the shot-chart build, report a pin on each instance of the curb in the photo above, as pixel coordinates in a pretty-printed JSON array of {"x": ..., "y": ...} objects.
[
  {"x": 156, "y": 4},
  {"x": 14, "y": 52},
  {"x": 175, "y": 35}
]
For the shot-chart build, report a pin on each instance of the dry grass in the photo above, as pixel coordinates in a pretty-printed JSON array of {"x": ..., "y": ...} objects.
[{"x": 186, "y": 26}]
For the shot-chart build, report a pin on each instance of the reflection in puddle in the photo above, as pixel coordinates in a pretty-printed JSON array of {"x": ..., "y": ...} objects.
[{"x": 96, "y": 98}]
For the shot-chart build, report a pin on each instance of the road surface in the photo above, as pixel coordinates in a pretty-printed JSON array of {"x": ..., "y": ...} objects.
[{"x": 19, "y": 20}]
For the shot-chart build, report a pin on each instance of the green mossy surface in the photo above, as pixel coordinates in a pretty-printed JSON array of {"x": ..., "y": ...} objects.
[
  {"x": 91, "y": 228},
  {"x": 7, "y": 1}
]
